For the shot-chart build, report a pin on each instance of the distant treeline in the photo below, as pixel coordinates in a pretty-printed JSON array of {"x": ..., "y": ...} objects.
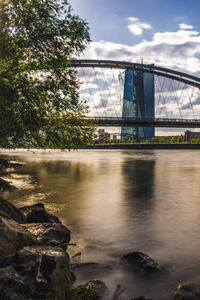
[{"x": 155, "y": 140}]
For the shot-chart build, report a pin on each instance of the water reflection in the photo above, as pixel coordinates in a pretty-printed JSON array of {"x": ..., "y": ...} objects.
[
  {"x": 115, "y": 201},
  {"x": 139, "y": 178}
]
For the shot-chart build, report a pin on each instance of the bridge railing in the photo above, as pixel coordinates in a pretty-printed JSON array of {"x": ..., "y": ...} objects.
[
  {"x": 142, "y": 119},
  {"x": 151, "y": 122}
]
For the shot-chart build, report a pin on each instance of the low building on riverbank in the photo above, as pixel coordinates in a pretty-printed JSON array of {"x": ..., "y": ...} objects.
[{"x": 189, "y": 135}]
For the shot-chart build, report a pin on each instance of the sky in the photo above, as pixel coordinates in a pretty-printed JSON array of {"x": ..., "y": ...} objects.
[{"x": 163, "y": 32}]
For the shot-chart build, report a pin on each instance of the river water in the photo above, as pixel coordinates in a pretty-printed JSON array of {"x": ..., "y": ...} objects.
[{"x": 120, "y": 201}]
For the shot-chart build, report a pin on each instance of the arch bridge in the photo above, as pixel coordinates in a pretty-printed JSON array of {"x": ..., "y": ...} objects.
[{"x": 176, "y": 102}]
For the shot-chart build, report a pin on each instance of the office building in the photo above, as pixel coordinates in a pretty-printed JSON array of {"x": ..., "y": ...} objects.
[{"x": 137, "y": 101}]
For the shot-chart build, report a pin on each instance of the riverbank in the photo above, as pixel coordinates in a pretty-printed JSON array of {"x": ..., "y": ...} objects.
[
  {"x": 145, "y": 146},
  {"x": 34, "y": 263}
]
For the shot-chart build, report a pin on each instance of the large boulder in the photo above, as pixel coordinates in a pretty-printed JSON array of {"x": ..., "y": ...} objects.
[
  {"x": 8, "y": 210},
  {"x": 186, "y": 291},
  {"x": 28, "y": 208},
  {"x": 40, "y": 215},
  {"x": 39, "y": 272},
  {"x": 13, "y": 237},
  {"x": 52, "y": 234},
  {"x": 139, "y": 262},
  {"x": 11, "y": 285},
  {"x": 37, "y": 214}
]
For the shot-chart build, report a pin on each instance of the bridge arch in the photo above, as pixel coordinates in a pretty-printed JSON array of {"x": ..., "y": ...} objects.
[{"x": 160, "y": 71}]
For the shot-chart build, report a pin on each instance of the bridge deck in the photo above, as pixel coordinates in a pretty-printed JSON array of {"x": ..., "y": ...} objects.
[{"x": 128, "y": 122}]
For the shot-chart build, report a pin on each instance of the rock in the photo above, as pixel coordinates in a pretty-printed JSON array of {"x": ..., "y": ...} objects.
[
  {"x": 186, "y": 291},
  {"x": 37, "y": 214},
  {"x": 11, "y": 285},
  {"x": 6, "y": 186},
  {"x": 14, "y": 164},
  {"x": 97, "y": 285},
  {"x": 52, "y": 234},
  {"x": 39, "y": 272},
  {"x": 72, "y": 277},
  {"x": 8, "y": 210},
  {"x": 85, "y": 293},
  {"x": 2, "y": 172},
  {"x": 13, "y": 237},
  {"x": 90, "y": 270},
  {"x": 4, "y": 163},
  {"x": 139, "y": 262},
  {"x": 28, "y": 208}
]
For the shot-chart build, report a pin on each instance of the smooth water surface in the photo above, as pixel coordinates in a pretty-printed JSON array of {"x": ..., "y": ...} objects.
[{"x": 119, "y": 201}]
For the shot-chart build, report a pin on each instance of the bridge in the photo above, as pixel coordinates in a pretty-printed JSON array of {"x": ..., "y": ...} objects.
[
  {"x": 177, "y": 94},
  {"x": 128, "y": 122}
]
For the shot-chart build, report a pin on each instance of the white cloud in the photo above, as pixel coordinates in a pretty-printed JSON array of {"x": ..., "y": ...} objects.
[
  {"x": 185, "y": 26},
  {"x": 146, "y": 26},
  {"x": 132, "y": 19},
  {"x": 178, "y": 50},
  {"x": 136, "y": 27}
]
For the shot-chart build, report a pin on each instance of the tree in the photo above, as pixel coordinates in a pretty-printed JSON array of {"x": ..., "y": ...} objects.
[
  {"x": 180, "y": 139},
  {"x": 173, "y": 140},
  {"x": 155, "y": 140},
  {"x": 162, "y": 140},
  {"x": 39, "y": 104}
]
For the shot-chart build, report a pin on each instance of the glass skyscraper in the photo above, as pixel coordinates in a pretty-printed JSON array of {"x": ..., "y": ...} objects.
[{"x": 137, "y": 101}]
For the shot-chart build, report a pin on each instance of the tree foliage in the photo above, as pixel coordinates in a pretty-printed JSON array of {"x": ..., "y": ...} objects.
[
  {"x": 180, "y": 139},
  {"x": 39, "y": 104},
  {"x": 173, "y": 140},
  {"x": 195, "y": 141}
]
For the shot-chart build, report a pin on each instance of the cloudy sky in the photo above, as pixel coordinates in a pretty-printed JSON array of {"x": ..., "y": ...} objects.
[{"x": 164, "y": 32}]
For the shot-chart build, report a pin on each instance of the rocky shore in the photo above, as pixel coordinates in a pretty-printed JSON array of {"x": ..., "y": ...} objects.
[{"x": 34, "y": 263}]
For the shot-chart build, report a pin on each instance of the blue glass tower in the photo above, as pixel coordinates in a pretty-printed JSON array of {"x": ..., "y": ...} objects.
[{"x": 137, "y": 101}]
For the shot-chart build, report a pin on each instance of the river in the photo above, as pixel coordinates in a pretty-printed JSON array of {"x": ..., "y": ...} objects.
[{"x": 120, "y": 201}]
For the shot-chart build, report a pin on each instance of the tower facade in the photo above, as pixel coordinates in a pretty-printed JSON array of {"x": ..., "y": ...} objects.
[{"x": 137, "y": 101}]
